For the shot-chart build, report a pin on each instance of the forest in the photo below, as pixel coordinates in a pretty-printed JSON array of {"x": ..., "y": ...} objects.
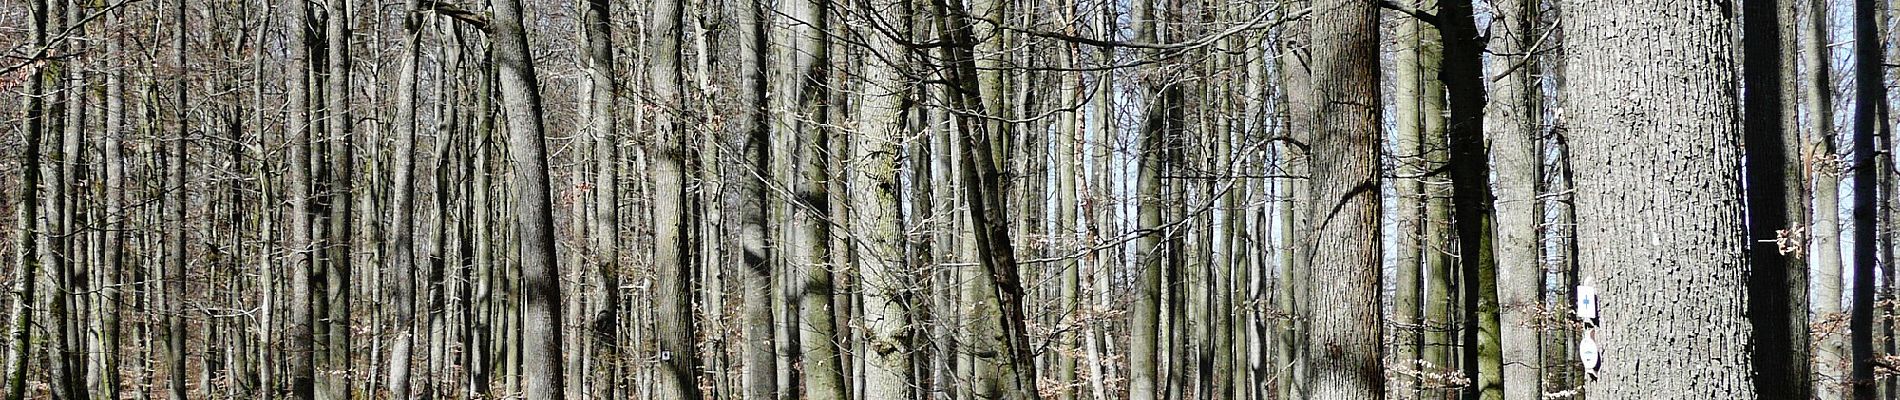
[{"x": 949, "y": 199}]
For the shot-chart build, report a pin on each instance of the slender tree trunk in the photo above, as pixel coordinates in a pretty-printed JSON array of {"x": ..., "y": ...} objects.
[
  {"x": 806, "y": 93},
  {"x": 1511, "y": 126},
  {"x": 1777, "y": 203},
  {"x": 983, "y": 195},
  {"x": 401, "y": 264},
  {"x": 114, "y": 234},
  {"x": 1820, "y": 160},
  {"x": 20, "y": 330},
  {"x": 1869, "y": 92},
  {"x": 1411, "y": 77},
  {"x": 1644, "y": 256},
  {"x": 1473, "y": 205},
  {"x": 602, "y": 121},
  {"x": 174, "y": 292},
  {"x": 1343, "y": 353},
  {"x": 334, "y": 381},
  {"x": 747, "y": 201},
  {"x": 1146, "y": 344},
  {"x": 1298, "y": 115}
]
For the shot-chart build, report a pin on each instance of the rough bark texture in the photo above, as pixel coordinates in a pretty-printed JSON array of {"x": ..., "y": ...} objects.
[
  {"x": 674, "y": 322},
  {"x": 1343, "y": 348},
  {"x": 300, "y": 253},
  {"x": 874, "y": 196},
  {"x": 541, "y": 312},
  {"x": 1659, "y": 211}
]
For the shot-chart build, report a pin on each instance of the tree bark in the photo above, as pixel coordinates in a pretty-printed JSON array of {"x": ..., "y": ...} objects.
[
  {"x": 1820, "y": 161},
  {"x": 401, "y": 264},
  {"x": 28, "y": 261},
  {"x": 541, "y": 311},
  {"x": 874, "y": 194},
  {"x": 675, "y": 326},
  {"x": 1512, "y": 123},
  {"x": 334, "y": 381},
  {"x": 1869, "y": 92},
  {"x": 1777, "y": 203},
  {"x": 1343, "y": 352},
  {"x": 1659, "y": 211}
]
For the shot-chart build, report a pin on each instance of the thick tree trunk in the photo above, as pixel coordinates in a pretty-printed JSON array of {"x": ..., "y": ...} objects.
[
  {"x": 541, "y": 310},
  {"x": 675, "y": 325},
  {"x": 874, "y": 194},
  {"x": 1659, "y": 208},
  {"x": 1343, "y": 353}
]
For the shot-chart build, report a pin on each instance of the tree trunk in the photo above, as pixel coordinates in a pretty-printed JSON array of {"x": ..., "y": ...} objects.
[
  {"x": 174, "y": 291},
  {"x": 1418, "y": 43},
  {"x": 678, "y": 356},
  {"x": 1512, "y": 123},
  {"x": 983, "y": 195},
  {"x": 1669, "y": 274},
  {"x": 1869, "y": 92},
  {"x": 1473, "y": 205},
  {"x": 401, "y": 264},
  {"x": 874, "y": 194},
  {"x": 115, "y": 222},
  {"x": 1343, "y": 352},
  {"x": 602, "y": 121},
  {"x": 19, "y": 351},
  {"x": 1146, "y": 344},
  {"x": 541, "y": 311},
  {"x": 1820, "y": 161},
  {"x": 1777, "y": 203},
  {"x": 334, "y": 381}
]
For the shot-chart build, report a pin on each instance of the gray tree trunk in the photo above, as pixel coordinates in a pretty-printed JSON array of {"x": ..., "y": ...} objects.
[
  {"x": 674, "y": 319},
  {"x": 1820, "y": 162},
  {"x": 541, "y": 311},
  {"x": 1669, "y": 274},
  {"x": 401, "y": 263},
  {"x": 1512, "y": 123}
]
